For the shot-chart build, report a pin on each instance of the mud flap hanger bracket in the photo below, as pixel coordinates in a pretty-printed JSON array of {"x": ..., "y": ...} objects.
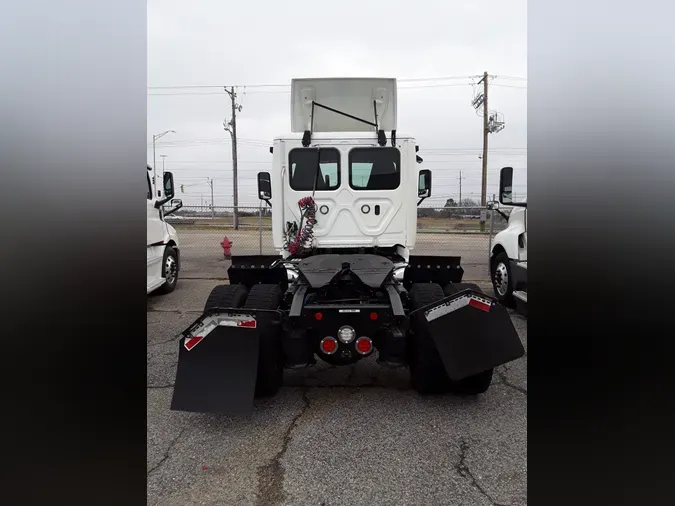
[{"x": 230, "y": 313}]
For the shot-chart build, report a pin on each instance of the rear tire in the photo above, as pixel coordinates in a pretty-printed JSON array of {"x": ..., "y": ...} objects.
[
  {"x": 473, "y": 385},
  {"x": 226, "y": 296},
  {"x": 270, "y": 352},
  {"x": 427, "y": 372}
]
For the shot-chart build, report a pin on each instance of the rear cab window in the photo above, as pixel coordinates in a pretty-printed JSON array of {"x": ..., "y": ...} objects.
[
  {"x": 374, "y": 168},
  {"x": 303, "y": 169}
]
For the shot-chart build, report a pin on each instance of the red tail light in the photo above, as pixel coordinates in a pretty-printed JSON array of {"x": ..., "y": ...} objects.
[
  {"x": 364, "y": 345},
  {"x": 328, "y": 345}
]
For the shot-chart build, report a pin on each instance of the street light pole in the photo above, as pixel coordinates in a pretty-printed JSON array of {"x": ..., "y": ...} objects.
[{"x": 154, "y": 157}]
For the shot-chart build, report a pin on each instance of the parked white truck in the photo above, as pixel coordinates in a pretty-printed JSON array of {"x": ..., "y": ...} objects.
[
  {"x": 508, "y": 255},
  {"x": 163, "y": 248}
]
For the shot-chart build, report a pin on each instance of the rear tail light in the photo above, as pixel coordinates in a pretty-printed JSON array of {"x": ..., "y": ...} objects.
[
  {"x": 328, "y": 345},
  {"x": 364, "y": 345}
]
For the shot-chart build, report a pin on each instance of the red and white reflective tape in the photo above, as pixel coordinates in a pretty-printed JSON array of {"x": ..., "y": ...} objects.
[
  {"x": 475, "y": 301},
  {"x": 191, "y": 342},
  {"x": 210, "y": 323}
]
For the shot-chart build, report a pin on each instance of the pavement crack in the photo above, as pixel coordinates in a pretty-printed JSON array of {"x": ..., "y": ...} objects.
[
  {"x": 464, "y": 471},
  {"x": 504, "y": 381},
  {"x": 271, "y": 475},
  {"x": 167, "y": 453},
  {"x": 171, "y": 339}
]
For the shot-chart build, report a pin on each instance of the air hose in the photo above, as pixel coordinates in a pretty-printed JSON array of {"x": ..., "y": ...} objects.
[{"x": 304, "y": 237}]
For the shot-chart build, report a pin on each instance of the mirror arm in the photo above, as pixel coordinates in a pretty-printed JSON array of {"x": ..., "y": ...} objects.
[
  {"x": 171, "y": 211},
  {"x": 502, "y": 214},
  {"x": 160, "y": 203}
]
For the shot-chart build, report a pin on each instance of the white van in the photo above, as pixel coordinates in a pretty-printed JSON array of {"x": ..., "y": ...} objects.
[{"x": 163, "y": 251}]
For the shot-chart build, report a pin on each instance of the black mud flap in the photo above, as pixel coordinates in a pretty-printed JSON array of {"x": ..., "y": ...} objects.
[
  {"x": 218, "y": 362},
  {"x": 472, "y": 333}
]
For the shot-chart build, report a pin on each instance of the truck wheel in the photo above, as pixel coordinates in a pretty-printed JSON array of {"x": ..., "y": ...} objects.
[
  {"x": 452, "y": 288},
  {"x": 502, "y": 281},
  {"x": 427, "y": 372},
  {"x": 169, "y": 271},
  {"x": 478, "y": 383},
  {"x": 473, "y": 385},
  {"x": 270, "y": 352},
  {"x": 226, "y": 296}
]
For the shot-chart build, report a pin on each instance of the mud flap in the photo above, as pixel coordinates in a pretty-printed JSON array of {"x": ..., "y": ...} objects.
[
  {"x": 218, "y": 362},
  {"x": 472, "y": 333}
]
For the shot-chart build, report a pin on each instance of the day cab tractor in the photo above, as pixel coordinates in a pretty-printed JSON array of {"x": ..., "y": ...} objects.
[
  {"x": 344, "y": 190},
  {"x": 508, "y": 254},
  {"x": 163, "y": 247}
]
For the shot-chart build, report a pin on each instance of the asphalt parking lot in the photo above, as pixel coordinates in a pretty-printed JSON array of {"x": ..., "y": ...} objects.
[{"x": 355, "y": 435}]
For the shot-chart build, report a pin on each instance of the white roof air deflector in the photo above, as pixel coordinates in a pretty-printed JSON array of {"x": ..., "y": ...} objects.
[{"x": 356, "y": 97}]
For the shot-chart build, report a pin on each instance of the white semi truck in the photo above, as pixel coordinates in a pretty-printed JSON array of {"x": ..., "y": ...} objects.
[
  {"x": 344, "y": 285},
  {"x": 508, "y": 255},
  {"x": 163, "y": 247}
]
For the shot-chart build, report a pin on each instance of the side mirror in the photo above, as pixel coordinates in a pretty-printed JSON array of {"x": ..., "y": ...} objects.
[
  {"x": 424, "y": 184},
  {"x": 176, "y": 204},
  {"x": 168, "y": 185},
  {"x": 264, "y": 186},
  {"x": 506, "y": 186}
]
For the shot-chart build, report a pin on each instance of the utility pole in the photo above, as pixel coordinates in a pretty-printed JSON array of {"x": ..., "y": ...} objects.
[
  {"x": 460, "y": 189},
  {"x": 213, "y": 216},
  {"x": 486, "y": 131},
  {"x": 231, "y": 127}
]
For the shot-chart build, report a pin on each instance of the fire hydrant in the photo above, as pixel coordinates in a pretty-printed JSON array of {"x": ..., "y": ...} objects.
[{"x": 227, "y": 245}]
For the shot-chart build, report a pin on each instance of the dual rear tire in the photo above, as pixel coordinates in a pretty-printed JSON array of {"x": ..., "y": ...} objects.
[
  {"x": 270, "y": 373},
  {"x": 427, "y": 372}
]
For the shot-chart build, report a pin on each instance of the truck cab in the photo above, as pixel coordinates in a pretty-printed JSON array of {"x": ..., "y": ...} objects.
[
  {"x": 163, "y": 247},
  {"x": 366, "y": 188},
  {"x": 508, "y": 255}
]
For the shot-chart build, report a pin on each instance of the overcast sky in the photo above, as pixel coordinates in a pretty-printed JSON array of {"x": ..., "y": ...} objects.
[{"x": 216, "y": 43}]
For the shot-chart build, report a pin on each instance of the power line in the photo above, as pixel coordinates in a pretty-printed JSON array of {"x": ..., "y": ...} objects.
[
  {"x": 286, "y": 92},
  {"x": 404, "y": 80},
  {"x": 286, "y": 87}
]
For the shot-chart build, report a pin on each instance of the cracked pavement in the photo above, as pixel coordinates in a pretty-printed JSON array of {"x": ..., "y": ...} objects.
[{"x": 333, "y": 435}]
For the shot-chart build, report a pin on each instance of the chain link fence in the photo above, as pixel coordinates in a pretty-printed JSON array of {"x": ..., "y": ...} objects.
[{"x": 460, "y": 231}]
